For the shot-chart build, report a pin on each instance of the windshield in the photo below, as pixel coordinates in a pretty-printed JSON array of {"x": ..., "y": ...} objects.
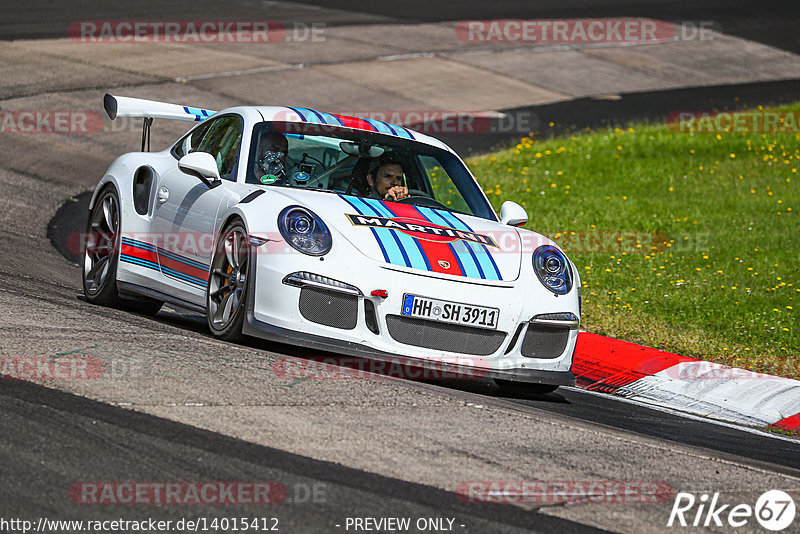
[{"x": 326, "y": 158}]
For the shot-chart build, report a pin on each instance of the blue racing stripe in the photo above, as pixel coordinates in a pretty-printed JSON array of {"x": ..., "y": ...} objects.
[
  {"x": 471, "y": 267},
  {"x": 138, "y": 244},
  {"x": 381, "y": 127},
  {"x": 147, "y": 246},
  {"x": 311, "y": 113},
  {"x": 406, "y": 132},
  {"x": 331, "y": 119},
  {"x": 183, "y": 277},
  {"x": 390, "y": 249},
  {"x": 182, "y": 259},
  {"x": 139, "y": 261},
  {"x": 296, "y": 110},
  {"x": 386, "y": 231},
  {"x": 413, "y": 248},
  {"x": 482, "y": 253},
  {"x": 380, "y": 244}
]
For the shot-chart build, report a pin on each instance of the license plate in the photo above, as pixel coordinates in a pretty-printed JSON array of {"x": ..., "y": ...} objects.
[{"x": 450, "y": 312}]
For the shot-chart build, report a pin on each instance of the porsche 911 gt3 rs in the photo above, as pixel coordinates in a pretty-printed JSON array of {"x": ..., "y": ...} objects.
[{"x": 271, "y": 222}]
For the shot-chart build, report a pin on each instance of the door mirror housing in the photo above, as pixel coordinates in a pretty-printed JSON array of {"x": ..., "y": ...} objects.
[
  {"x": 201, "y": 165},
  {"x": 513, "y": 214}
]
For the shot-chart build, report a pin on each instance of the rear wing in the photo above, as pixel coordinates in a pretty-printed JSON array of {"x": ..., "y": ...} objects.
[{"x": 123, "y": 106}]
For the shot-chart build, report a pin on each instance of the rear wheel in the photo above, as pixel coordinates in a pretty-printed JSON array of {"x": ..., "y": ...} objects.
[
  {"x": 101, "y": 254},
  {"x": 226, "y": 293}
]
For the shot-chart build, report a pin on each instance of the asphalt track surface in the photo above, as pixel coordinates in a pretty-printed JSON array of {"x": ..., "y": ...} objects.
[
  {"x": 772, "y": 22},
  {"x": 53, "y": 438}
]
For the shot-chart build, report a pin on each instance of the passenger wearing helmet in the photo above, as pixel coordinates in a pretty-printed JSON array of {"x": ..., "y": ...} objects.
[{"x": 270, "y": 166}]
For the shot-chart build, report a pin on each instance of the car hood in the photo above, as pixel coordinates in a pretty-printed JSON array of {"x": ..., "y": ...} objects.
[{"x": 428, "y": 241}]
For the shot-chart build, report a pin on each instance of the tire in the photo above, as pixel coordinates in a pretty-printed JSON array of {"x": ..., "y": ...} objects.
[
  {"x": 511, "y": 387},
  {"x": 227, "y": 289},
  {"x": 101, "y": 256}
]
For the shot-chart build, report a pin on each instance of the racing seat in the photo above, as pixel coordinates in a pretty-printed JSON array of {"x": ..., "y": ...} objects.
[{"x": 358, "y": 179}]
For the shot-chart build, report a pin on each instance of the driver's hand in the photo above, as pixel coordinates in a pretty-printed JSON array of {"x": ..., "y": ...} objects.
[{"x": 396, "y": 193}]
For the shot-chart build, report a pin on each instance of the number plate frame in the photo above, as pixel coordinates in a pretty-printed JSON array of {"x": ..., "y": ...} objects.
[{"x": 443, "y": 311}]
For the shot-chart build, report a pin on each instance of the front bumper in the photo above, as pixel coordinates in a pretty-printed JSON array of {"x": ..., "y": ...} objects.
[{"x": 273, "y": 313}]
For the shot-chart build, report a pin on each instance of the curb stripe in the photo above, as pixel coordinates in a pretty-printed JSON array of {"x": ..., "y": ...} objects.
[
  {"x": 606, "y": 364},
  {"x": 685, "y": 384},
  {"x": 790, "y": 423}
]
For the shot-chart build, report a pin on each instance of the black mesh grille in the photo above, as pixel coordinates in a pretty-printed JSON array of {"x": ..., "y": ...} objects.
[
  {"x": 329, "y": 308},
  {"x": 443, "y": 336},
  {"x": 542, "y": 341}
]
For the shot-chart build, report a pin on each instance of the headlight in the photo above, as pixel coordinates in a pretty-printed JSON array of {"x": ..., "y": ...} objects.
[
  {"x": 304, "y": 231},
  {"x": 553, "y": 269}
]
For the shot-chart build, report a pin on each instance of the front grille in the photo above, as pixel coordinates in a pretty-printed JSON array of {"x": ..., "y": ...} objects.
[
  {"x": 329, "y": 308},
  {"x": 544, "y": 341},
  {"x": 443, "y": 336}
]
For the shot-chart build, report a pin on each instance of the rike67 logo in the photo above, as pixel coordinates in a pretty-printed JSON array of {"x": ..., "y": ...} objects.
[{"x": 774, "y": 510}]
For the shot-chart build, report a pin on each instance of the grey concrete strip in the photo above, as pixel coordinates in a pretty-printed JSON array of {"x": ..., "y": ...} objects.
[
  {"x": 436, "y": 37},
  {"x": 447, "y": 72},
  {"x": 25, "y": 71},
  {"x": 325, "y": 47},
  {"x": 584, "y": 75},
  {"x": 163, "y": 60},
  {"x": 725, "y": 60},
  {"x": 331, "y": 89},
  {"x": 446, "y": 84},
  {"x": 623, "y": 69}
]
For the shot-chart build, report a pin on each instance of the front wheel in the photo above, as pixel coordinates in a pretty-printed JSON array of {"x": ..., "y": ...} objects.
[{"x": 226, "y": 293}]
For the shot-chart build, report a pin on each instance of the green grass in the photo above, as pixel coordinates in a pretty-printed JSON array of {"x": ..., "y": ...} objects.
[{"x": 689, "y": 243}]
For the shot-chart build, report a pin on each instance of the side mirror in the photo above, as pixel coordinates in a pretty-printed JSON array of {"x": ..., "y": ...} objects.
[
  {"x": 513, "y": 214},
  {"x": 202, "y": 165}
]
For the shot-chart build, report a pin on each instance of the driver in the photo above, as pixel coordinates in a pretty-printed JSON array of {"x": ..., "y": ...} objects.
[
  {"x": 270, "y": 166},
  {"x": 386, "y": 181}
]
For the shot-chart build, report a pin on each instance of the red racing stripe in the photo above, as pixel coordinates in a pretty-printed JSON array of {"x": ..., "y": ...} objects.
[
  {"x": 137, "y": 252},
  {"x": 354, "y": 122},
  {"x": 434, "y": 251},
  {"x": 183, "y": 268}
]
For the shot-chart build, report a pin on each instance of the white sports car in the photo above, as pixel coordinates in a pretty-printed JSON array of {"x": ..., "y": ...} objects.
[{"x": 338, "y": 233}]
